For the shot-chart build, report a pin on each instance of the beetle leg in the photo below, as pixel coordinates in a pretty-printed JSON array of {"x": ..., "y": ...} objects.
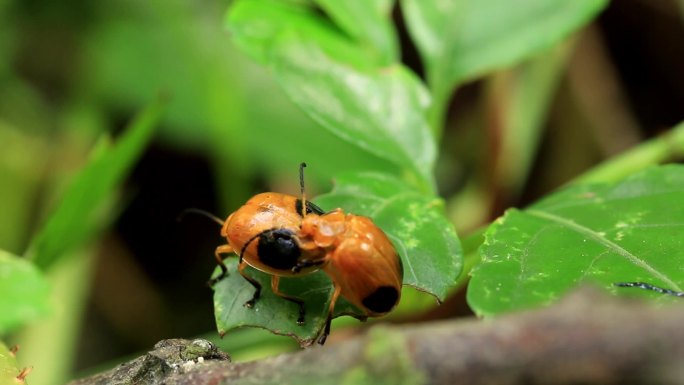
[
  {"x": 331, "y": 308},
  {"x": 254, "y": 282},
  {"x": 275, "y": 280},
  {"x": 223, "y": 249}
]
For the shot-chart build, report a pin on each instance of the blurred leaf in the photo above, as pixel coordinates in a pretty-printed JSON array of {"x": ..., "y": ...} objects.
[
  {"x": 179, "y": 48},
  {"x": 23, "y": 293},
  {"x": 381, "y": 112},
  {"x": 22, "y": 165},
  {"x": 379, "y": 109},
  {"x": 460, "y": 40},
  {"x": 257, "y": 25},
  {"x": 427, "y": 243},
  {"x": 632, "y": 230},
  {"x": 8, "y": 42},
  {"x": 271, "y": 312},
  {"x": 369, "y": 23},
  {"x": 73, "y": 221},
  {"x": 519, "y": 98},
  {"x": 325, "y": 153}
]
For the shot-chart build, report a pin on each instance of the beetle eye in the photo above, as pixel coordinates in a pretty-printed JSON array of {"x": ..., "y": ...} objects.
[{"x": 278, "y": 249}]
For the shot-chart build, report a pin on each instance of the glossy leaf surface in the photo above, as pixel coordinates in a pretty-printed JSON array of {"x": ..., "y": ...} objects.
[
  {"x": 632, "y": 230},
  {"x": 381, "y": 112}
]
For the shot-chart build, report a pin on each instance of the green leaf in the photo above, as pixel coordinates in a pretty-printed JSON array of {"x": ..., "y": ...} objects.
[
  {"x": 258, "y": 25},
  {"x": 632, "y": 230},
  {"x": 426, "y": 241},
  {"x": 8, "y": 366},
  {"x": 382, "y": 112},
  {"x": 460, "y": 40},
  {"x": 380, "y": 109},
  {"x": 369, "y": 23},
  {"x": 271, "y": 312},
  {"x": 23, "y": 292},
  {"x": 74, "y": 220}
]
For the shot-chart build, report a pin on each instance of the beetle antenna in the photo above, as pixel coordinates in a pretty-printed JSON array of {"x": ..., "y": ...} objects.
[
  {"x": 250, "y": 240},
  {"x": 301, "y": 186},
  {"x": 648, "y": 286},
  {"x": 200, "y": 212}
]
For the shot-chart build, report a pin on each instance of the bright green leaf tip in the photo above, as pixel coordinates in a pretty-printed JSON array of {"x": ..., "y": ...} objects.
[{"x": 75, "y": 218}]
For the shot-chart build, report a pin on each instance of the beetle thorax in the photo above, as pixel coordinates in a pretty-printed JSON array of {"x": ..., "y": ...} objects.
[{"x": 325, "y": 230}]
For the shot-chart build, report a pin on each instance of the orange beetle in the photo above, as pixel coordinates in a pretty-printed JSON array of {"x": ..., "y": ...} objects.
[
  {"x": 282, "y": 235},
  {"x": 263, "y": 233},
  {"x": 361, "y": 261}
]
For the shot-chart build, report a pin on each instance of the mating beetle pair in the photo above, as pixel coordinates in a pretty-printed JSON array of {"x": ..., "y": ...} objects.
[{"x": 286, "y": 236}]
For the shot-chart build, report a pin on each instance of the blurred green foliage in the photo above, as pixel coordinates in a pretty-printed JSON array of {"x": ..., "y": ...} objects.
[
  {"x": 24, "y": 292},
  {"x": 8, "y": 366}
]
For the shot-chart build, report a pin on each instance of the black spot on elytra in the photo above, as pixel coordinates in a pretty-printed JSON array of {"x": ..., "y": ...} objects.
[
  {"x": 310, "y": 208},
  {"x": 278, "y": 249},
  {"x": 381, "y": 300}
]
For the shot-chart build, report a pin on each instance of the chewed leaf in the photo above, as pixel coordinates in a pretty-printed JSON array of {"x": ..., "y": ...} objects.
[
  {"x": 426, "y": 241},
  {"x": 274, "y": 313},
  {"x": 627, "y": 231}
]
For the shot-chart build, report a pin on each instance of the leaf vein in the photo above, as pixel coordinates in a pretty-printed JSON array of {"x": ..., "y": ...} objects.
[{"x": 567, "y": 223}]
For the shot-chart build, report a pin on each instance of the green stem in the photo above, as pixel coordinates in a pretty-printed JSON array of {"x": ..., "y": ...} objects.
[
  {"x": 666, "y": 147},
  {"x": 436, "y": 113},
  {"x": 50, "y": 345},
  {"x": 471, "y": 257}
]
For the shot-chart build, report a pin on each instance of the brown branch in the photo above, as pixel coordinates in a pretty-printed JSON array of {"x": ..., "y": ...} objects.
[{"x": 588, "y": 338}]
